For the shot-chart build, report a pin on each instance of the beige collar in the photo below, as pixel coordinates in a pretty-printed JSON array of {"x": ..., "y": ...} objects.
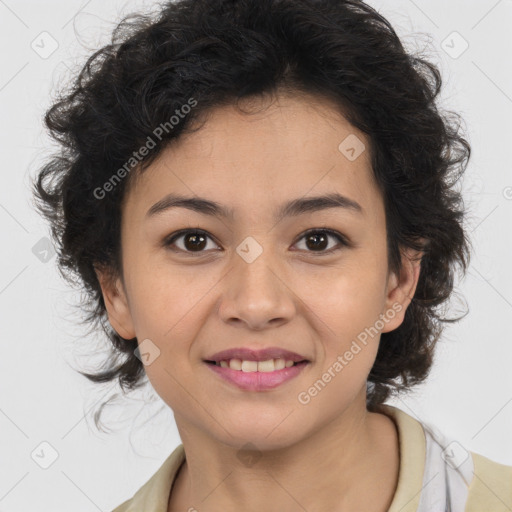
[
  {"x": 153, "y": 496},
  {"x": 412, "y": 443}
]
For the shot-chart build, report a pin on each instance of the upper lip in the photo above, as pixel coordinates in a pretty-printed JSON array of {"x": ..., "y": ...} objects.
[{"x": 248, "y": 354}]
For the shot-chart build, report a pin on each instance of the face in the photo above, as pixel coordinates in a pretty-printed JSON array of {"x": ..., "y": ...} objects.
[{"x": 313, "y": 281}]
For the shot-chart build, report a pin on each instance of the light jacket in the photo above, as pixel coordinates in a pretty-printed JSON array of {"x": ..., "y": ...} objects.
[{"x": 436, "y": 475}]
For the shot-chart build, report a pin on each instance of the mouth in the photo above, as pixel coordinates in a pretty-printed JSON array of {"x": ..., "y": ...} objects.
[
  {"x": 257, "y": 370},
  {"x": 257, "y": 375},
  {"x": 263, "y": 355},
  {"x": 249, "y": 366}
]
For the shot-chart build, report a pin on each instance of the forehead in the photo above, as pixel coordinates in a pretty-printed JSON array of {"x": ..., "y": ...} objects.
[{"x": 261, "y": 154}]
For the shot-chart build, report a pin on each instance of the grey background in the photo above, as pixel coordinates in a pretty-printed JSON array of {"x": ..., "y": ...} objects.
[{"x": 43, "y": 400}]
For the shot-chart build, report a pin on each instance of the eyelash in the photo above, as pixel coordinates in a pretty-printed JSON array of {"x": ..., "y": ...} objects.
[{"x": 341, "y": 239}]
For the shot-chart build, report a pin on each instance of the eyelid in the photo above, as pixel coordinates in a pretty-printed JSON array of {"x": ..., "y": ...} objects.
[
  {"x": 343, "y": 241},
  {"x": 168, "y": 241}
]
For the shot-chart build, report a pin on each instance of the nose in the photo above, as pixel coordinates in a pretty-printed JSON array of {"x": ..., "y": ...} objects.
[{"x": 256, "y": 294}]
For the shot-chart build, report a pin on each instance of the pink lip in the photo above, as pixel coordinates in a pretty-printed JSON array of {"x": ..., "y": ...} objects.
[
  {"x": 248, "y": 354},
  {"x": 258, "y": 381}
]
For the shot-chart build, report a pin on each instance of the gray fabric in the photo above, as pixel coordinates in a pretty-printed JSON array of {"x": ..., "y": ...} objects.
[{"x": 448, "y": 473}]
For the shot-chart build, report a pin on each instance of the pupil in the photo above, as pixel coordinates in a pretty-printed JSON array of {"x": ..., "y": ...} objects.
[
  {"x": 198, "y": 241},
  {"x": 314, "y": 238}
]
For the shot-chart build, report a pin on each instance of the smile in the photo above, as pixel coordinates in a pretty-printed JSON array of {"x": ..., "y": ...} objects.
[{"x": 257, "y": 375}]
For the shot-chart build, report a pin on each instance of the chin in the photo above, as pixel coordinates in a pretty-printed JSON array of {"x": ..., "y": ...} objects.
[{"x": 263, "y": 435}]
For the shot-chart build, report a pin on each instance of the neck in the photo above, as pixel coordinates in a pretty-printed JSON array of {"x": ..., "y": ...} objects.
[{"x": 351, "y": 463}]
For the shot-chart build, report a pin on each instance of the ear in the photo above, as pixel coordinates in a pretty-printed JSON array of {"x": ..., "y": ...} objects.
[
  {"x": 116, "y": 303},
  {"x": 400, "y": 289}
]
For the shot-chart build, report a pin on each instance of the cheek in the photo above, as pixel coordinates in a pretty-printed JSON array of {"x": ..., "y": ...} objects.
[
  {"x": 348, "y": 314},
  {"x": 168, "y": 308},
  {"x": 347, "y": 304},
  {"x": 347, "y": 299},
  {"x": 166, "y": 297}
]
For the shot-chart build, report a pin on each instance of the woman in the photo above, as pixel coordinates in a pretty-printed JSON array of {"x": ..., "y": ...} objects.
[{"x": 259, "y": 196}]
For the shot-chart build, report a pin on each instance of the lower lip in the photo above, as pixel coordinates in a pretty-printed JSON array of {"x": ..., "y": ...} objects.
[{"x": 258, "y": 381}]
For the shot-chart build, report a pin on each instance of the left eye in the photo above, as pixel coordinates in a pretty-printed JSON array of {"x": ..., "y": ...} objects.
[
  {"x": 319, "y": 237},
  {"x": 196, "y": 240}
]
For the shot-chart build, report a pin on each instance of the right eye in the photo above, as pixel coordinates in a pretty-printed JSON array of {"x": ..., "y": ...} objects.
[{"x": 193, "y": 241}]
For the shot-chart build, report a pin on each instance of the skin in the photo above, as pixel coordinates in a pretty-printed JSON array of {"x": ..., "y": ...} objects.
[{"x": 193, "y": 304}]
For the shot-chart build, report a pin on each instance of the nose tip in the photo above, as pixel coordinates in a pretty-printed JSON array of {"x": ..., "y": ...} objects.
[{"x": 256, "y": 295}]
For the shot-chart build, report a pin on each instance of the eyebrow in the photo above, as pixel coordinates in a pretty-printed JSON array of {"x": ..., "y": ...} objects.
[{"x": 291, "y": 209}]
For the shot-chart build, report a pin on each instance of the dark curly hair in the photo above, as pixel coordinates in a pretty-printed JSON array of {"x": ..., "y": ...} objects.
[{"x": 218, "y": 52}]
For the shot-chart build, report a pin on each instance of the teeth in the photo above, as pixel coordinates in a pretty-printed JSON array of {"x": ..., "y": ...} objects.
[
  {"x": 279, "y": 364},
  {"x": 249, "y": 366},
  {"x": 265, "y": 366},
  {"x": 256, "y": 366},
  {"x": 235, "y": 364}
]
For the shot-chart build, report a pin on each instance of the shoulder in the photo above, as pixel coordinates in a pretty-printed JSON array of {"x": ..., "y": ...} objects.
[
  {"x": 153, "y": 496},
  {"x": 470, "y": 478},
  {"x": 490, "y": 487},
  {"x": 472, "y": 482},
  {"x": 450, "y": 476}
]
